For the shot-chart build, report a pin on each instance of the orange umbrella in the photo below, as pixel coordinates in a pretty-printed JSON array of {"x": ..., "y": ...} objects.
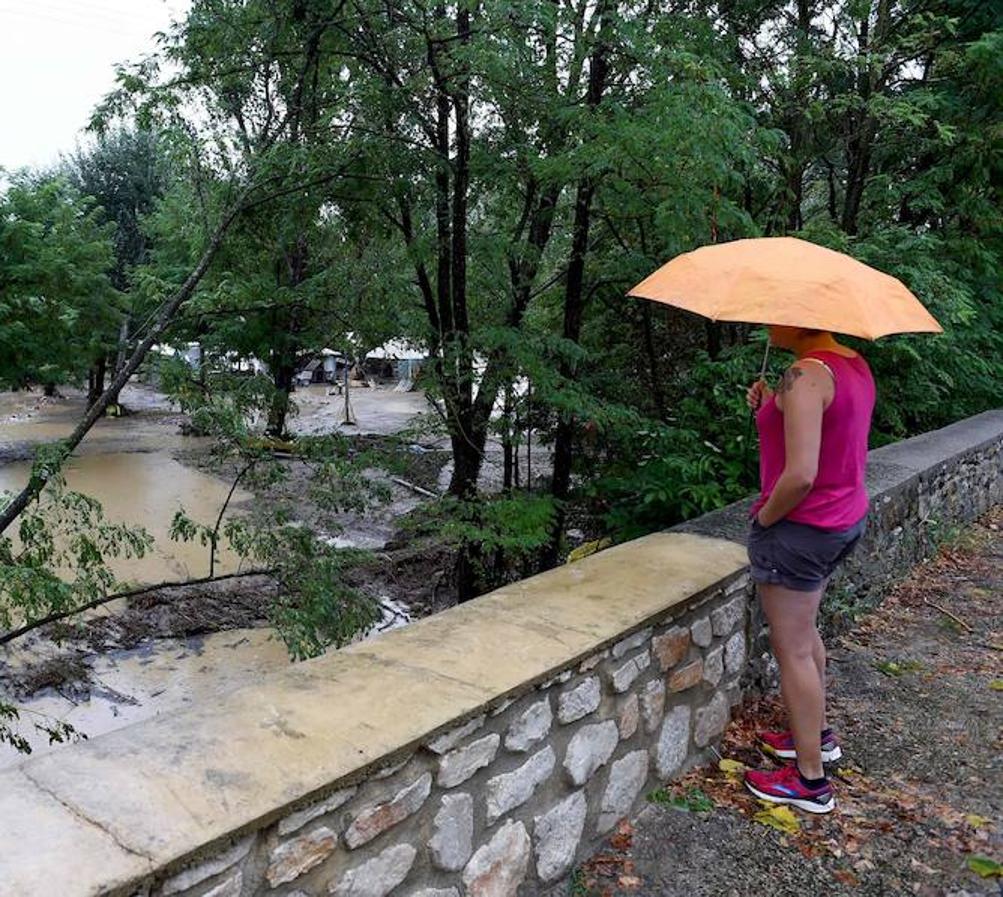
[{"x": 783, "y": 280}]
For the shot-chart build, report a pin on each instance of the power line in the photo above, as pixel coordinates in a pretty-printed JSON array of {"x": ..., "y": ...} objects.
[{"x": 124, "y": 22}]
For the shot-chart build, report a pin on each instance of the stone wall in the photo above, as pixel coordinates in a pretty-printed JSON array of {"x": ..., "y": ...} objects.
[
  {"x": 482, "y": 751},
  {"x": 519, "y": 791}
]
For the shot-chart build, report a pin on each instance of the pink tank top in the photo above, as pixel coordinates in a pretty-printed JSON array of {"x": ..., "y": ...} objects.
[{"x": 838, "y": 499}]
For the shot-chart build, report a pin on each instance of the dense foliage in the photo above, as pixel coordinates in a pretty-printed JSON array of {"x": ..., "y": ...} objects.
[{"x": 486, "y": 180}]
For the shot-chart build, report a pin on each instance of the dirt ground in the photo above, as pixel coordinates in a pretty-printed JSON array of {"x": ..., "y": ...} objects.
[{"x": 916, "y": 697}]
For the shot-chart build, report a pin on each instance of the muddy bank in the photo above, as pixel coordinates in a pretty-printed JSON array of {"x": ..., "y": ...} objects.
[
  {"x": 28, "y": 418},
  {"x": 149, "y": 654}
]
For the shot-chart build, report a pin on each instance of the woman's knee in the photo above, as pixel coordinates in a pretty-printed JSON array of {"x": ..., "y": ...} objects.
[{"x": 794, "y": 647}]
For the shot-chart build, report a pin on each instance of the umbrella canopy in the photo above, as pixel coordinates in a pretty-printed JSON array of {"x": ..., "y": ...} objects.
[{"x": 783, "y": 280}]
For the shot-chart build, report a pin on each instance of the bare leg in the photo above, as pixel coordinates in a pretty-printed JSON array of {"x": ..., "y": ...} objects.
[
  {"x": 818, "y": 655},
  {"x": 795, "y": 640}
]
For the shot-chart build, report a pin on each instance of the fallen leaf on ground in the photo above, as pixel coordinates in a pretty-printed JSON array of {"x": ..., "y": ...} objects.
[
  {"x": 629, "y": 882},
  {"x": 733, "y": 769},
  {"x": 779, "y": 817},
  {"x": 846, "y": 877},
  {"x": 996, "y": 685},
  {"x": 984, "y": 866},
  {"x": 976, "y": 821},
  {"x": 624, "y": 836}
]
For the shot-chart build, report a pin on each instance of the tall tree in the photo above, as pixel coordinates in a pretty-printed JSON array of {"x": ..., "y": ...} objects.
[
  {"x": 58, "y": 308},
  {"x": 124, "y": 171}
]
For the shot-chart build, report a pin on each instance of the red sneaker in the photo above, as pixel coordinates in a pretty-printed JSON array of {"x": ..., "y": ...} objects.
[
  {"x": 781, "y": 745},
  {"x": 784, "y": 786}
]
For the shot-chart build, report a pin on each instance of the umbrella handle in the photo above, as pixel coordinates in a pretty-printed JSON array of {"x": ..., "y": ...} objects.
[
  {"x": 752, "y": 411},
  {"x": 766, "y": 358}
]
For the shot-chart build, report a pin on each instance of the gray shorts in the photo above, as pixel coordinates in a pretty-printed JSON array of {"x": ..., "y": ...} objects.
[{"x": 797, "y": 555}]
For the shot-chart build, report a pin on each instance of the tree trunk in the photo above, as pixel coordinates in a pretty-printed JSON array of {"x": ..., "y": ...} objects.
[
  {"x": 574, "y": 306},
  {"x": 713, "y": 333},
  {"x": 120, "y": 355},
  {"x": 798, "y": 131},
  {"x": 863, "y": 125},
  {"x": 283, "y": 373},
  {"x": 574, "y": 302},
  {"x": 96, "y": 381},
  {"x": 508, "y": 448}
]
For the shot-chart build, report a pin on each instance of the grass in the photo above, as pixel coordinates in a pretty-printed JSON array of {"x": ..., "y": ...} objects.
[
  {"x": 693, "y": 801},
  {"x": 898, "y": 667},
  {"x": 577, "y": 886}
]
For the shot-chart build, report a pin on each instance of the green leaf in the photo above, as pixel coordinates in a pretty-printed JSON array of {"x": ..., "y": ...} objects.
[{"x": 984, "y": 867}]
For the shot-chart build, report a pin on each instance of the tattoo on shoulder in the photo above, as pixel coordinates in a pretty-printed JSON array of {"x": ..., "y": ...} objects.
[{"x": 789, "y": 379}]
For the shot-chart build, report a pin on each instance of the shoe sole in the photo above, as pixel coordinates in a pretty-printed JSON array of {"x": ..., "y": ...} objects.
[
  {"x": 829, "y": 756},
  {"x": 809, "y": 806}
]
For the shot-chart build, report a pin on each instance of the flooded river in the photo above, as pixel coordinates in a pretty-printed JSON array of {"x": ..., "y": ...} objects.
[
  {"x": 146, "y": 489},
  {"x": 128, "y": 465},
  {"x": 131, "y": 466}
]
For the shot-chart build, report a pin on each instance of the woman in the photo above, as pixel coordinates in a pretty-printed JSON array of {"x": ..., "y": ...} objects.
[{"x": 811, "y": 513}]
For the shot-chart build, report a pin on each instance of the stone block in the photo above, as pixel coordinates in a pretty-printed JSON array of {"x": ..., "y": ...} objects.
[
  {"x": 452, "y": 842},
  {"x": 738, "y": 585},
  {"x": 559, "y": 679},
  {"x": 511, "y": 789},
  {"x": 502, "y": 707},
  {"x": 557, "y": 834},
  {"x": 671, "y": 647},
  {"x": 713, "y": 665},
  {"x": 626, "y": 779},
  {"x": 653, "y": 705},
  {"x": 628, "y": 644},
  {"x": 390, "y": 770},
  {"x": 295, "y": 821},
  {"x": 673, "y": 743},
  {"x": 448, "y": 740},
  {"x": 624, "y": 676},
  {"x": 590, "y": 663},
  {"x": 580, "y": 701},
  {"x": 292, "y": 858},
  {"x": 726, "y": 617},
  {"x": 379, "y": 876},
  {"x": 711, "y": 720},
  {"x": 686, "y": 676},
  {"x": 530, "y": 727},
  {"x": 228, "y": 887},
  {"x": 459, "y": 765},
  {"x": 628, "y": 717},
  {"x": 375, "y": 820},
  {"x": 590, "y": 748},
  {"x": 436, "y": 892},
  {"x": 193, "y": 875},
  {"x": 701, "y": 632},
  {"x": 499, "y": 867},
  {"x": 734, "y": 653}
]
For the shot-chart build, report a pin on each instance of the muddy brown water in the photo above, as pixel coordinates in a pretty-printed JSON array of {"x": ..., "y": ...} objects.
[
  {"x": 131, "y": 466},
  {"x": 146, "y": 489}
]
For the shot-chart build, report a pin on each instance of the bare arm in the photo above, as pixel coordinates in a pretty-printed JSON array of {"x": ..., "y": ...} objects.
[{"x": 803, "y": 396}]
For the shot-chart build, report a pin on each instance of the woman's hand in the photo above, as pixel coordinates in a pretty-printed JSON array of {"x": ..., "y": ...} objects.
[{"x": 756, "y": 394}]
